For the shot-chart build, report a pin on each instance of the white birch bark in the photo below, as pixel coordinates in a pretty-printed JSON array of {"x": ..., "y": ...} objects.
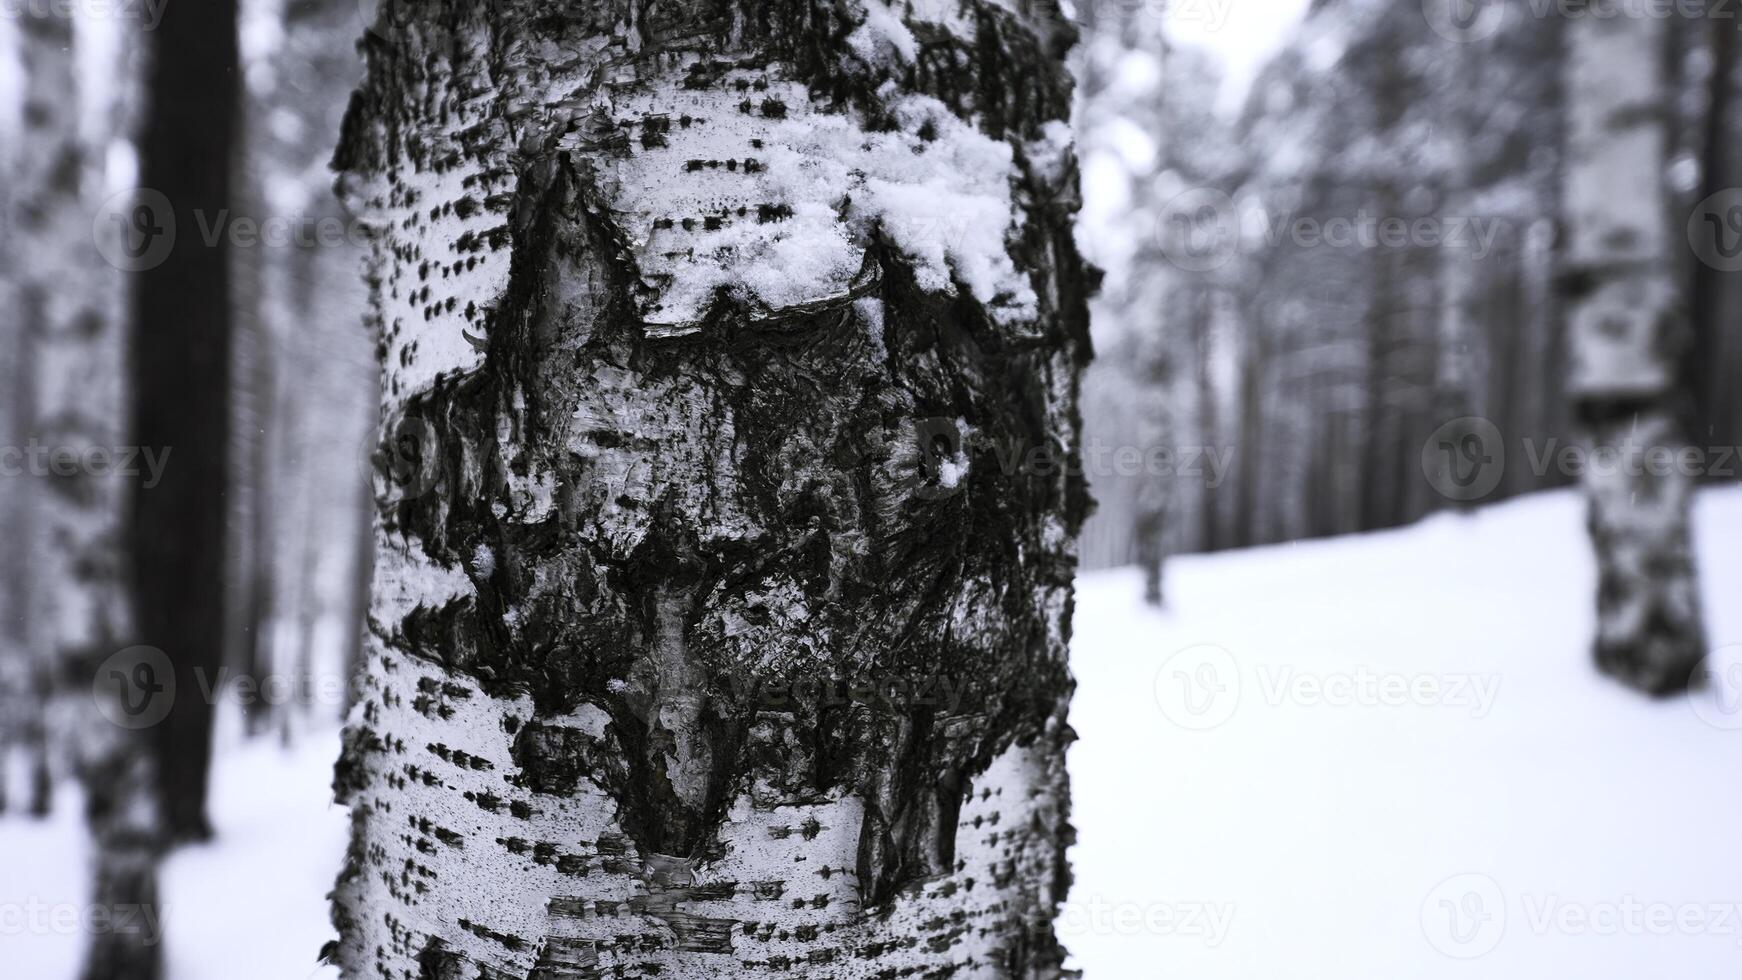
[
  {"x": 706, "y": 327},
  {"x": 22, "y": 742},
  {"x": 1628, "y": 327},
  {"x": 71, "y": 305}
]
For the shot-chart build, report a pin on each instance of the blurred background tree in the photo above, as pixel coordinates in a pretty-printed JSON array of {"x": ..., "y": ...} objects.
[{"x": 1230, "y": 323}]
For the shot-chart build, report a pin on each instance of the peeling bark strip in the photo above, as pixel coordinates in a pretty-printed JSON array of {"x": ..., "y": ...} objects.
[
  {"x": 685, "y": 310},
  {"x": 1628, "y": 331}
]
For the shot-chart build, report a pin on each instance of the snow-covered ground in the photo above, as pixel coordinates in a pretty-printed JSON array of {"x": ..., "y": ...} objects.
[
  {"x": 250, "y": 905},
  {"x": 1388, "y": 756},
  {"x": 1367, "y": 758}
]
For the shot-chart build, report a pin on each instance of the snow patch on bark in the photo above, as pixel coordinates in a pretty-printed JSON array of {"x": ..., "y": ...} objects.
[
  {"x": 882, "y": 35},
  {"x": 405, "y": 579},
  {"x": 750, "y": 191},
  {"x": 1049, "y": 156}
]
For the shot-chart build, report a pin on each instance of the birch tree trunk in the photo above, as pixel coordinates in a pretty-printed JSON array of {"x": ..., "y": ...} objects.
[
  {"x": 22, "y": 739},
  {"x": 71, "y": 303},
  {"x": 715, "y": 632},
  {"x": 1628, "y": 328}
]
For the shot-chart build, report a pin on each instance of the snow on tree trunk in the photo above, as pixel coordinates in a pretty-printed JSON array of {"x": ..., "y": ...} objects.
[
  {"x": 725, "y": 547},
  {"x": 1628, "y": 327},
  {"x": 71, "y": 304}
]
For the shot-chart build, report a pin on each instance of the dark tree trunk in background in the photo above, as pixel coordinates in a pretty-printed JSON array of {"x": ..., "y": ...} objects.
[
  {"x": 677, "y": 431},
  {"x": 1248, "y": 452},
  {"x": 1153, "y": 502},
  {"x": 1715, "y": 302},
  {"x": 1628, "y": 324},
  {"x": 257, "y": 353},
  {"x": 1385, "y": 311},
  {"x": 181, "y": 378},
  {"x": 1202, "y": 327}
]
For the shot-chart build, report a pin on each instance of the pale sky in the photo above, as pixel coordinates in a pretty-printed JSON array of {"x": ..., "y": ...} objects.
[{"x": 1243, "y": 33}]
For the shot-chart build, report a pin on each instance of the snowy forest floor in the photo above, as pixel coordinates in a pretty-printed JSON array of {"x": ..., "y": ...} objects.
[
  {"x": 1362, "y": 758},
  {"x": 1507, "y": 813}
]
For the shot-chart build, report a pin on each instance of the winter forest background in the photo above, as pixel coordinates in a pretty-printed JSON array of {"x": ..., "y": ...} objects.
[{"x": 1354, "y": 542}]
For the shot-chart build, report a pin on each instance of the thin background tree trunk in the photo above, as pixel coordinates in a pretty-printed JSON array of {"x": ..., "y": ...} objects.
[
  {"x": 1715, "y": 299},
  {"x": 81, "y": 612},
  {"x": 1628, "y": 327}
]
